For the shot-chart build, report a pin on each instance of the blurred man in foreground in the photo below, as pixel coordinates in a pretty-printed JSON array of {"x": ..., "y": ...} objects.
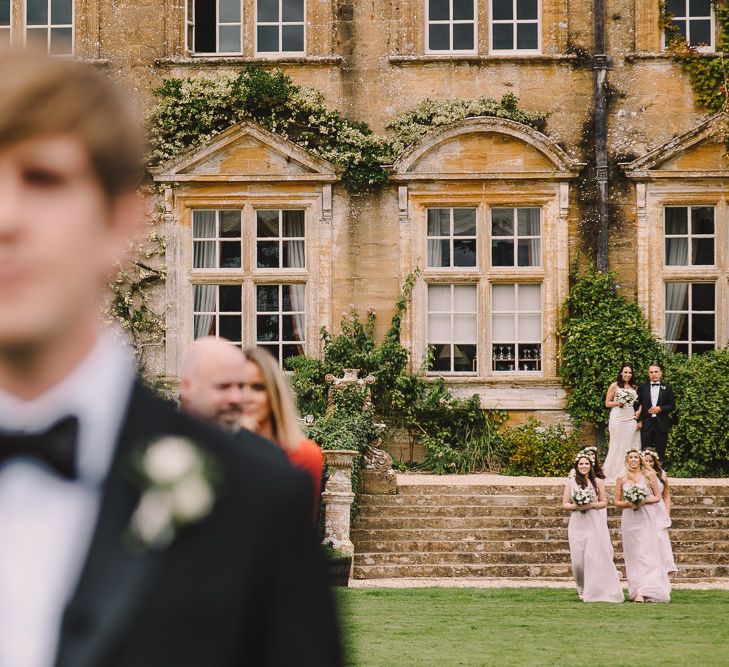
[{"x": 130, "y": 534}]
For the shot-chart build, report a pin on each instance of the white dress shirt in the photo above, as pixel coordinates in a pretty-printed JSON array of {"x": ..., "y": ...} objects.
[
  {"x": 46, "y": 522},
  {"x": 655, "y": 390}
]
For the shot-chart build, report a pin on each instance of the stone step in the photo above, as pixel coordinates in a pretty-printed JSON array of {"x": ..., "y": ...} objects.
[
  {"x": 686, "y": 573},
  {"x": 508, "y": 558},
  {"x": 476, "y": 522},
  {"x": 678, "y": 490},
  {"x": 680, "y": 548},
  {"x": 510, "y": 534}
]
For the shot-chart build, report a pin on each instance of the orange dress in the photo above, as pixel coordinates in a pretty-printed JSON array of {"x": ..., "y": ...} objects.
[{"x": 309, "y": 458}]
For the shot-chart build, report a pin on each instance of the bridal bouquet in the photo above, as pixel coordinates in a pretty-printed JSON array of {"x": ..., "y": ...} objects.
[
  {"x": 626, "y": 396},
  {"x": 581, "y": 497},
  {"x": 635, "y": 494}
]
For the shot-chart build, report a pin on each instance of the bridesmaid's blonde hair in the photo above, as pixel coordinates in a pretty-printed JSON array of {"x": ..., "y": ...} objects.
[
  {"x": 286, "y": 430},
  {"x": 645, "y": 468}
]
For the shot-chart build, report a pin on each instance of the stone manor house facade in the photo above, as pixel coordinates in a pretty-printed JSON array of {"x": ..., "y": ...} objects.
[{"x": 265, "y": 245}]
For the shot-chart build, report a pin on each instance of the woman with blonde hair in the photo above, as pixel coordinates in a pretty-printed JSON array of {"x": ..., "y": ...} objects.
[
  {"x": 268, "y": 409},
  {"x": 635, "y": 490}
]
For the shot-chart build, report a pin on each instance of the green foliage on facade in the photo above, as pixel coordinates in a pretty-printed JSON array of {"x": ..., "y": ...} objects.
[
  {"x": 191, "y": 111},
  {"x": 540, "y": 451},
  {"x": 600, "y": 330},
  {"x": 699, "y": 441}
]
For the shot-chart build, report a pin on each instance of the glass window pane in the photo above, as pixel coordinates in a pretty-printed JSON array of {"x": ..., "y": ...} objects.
[
  {"x": 502, "y": 10},
  {"x": 292, "y": 10},
  {"x": 529, "y": 252},
  {"x": 61, "y": 41},
  {"x": 228, "y": 11},
  {"x": 273, "y": 350},
  {"x": 702, "y": 252},
  {"x": 4, "y": 12},
  {"x": 702, "y": 296},
  {"x": 530, "y": 327},
  {"x": 37, "y": 12},
  {"x": 677, "y": 296},
  {"x": 439, "y": 222},
  {"x": 676, "y": 220},
  {"x": 294, "y": 255},
  {"x": 680, "y": 27},
  {"x": 204, "y": 325},
  {"x": 439, "y": 327},
  {"x": 267, "y": 298},
  {"x": 464, "y": 222},
  {"x": 702, "y": 220},
  {"x": 267, "y": 39},
  {"x": 464, "y": 358},
  {"x": 526, "y": 9},
  {"x": 439, "y": 298},
  {"x": 464, "y": 328},
  {"x": 441, "y": 358},
  {"x": 677, "y": 347},
  {"x": 267, "y": 327},
  {"x": 293, "y": 223},
  {"x": 698, "y": 349},
  {"x": 676, "y": 326},
  {"x": 266, "y": 223},
  {"x": 267, "y": 255},
  {"x": 439, "y": 37},
  {"x": 230, "y": 224},
  {"x": 292, "y": 37},
  {"x": 62, "y": 12},
  {"x": 230, "y": 327},
  {"x": 502, "y": 222},
  {"x": 288, "y": 351},
  {"x": 700, "y": 33},
  {"x": 530, "y": 297},
  {"x": 503, "y": 297},
  {"x": 463, "y": 36},
  {"x": 503, "y": 34},
  {"x": 230, "y": 255},
  {"x": 503, "y": 327},
  {"x": 464, "y": 298},
  {"x": 203, "y": 224},
  {"x": 528, "y": 221},
  {"x": 699, "y": 8},
  {"x": 37, "y": 38},
  {"x": 229, "y": 39},
  {"x": 267, "y": 10},
  {"x": 290, "y": 327},
  {"x": 204, "y": 300},
  {"x": 464, "y": 252},
  {"x": 527, "y": 36},
  {"x": 502, "y": 253},
  {"x": 702, "y": 327},
  {"x": 676, "y": 251},
  {"x": 439, "y": 252},
  {"x": 438, "y": 10},
  {"x": 463, "y": 10},
  {"x": 203, "y": 255},
  {"x": 230, "y": 298},
  {"x": 293, "y": 298}
]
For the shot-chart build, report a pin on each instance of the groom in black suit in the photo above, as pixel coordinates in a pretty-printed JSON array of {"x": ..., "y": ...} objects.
[
  {"x": 131, "y": 535},
  {"x": 657, "y": 402}
]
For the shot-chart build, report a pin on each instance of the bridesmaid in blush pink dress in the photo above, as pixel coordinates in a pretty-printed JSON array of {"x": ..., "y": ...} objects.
[
  {"x": 591, "y": 551},
  {"x": 644, "y": 568},
  {"x": 662, "y": 511}
]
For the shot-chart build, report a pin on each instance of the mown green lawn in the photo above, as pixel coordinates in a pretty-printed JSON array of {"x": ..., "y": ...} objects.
[{"x": 531, "y": 626}]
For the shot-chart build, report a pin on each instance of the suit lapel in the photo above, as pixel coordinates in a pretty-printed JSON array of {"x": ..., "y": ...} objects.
[{"x": 115, "y": 579}]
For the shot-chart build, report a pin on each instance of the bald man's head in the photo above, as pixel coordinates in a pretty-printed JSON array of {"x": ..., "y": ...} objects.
[{"x": 212, "y": 379}]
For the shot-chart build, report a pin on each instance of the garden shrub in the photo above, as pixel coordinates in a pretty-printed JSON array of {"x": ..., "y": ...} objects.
[{"x": 540, "y": 451}]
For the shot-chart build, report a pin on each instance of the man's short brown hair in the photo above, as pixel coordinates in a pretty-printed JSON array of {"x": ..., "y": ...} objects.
[{"x": 42, "y": 96}]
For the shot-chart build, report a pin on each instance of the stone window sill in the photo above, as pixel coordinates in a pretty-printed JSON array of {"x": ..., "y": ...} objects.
[
  {"x": 479, "y": 59},
  {"x": 513, "y": 377},
  {"x": 212, "y": 61},
  {"x": 665, "y": 55},
  {"x": 96, "y": 62}
]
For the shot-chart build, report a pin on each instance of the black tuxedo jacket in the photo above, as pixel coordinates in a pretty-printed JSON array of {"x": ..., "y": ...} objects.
[
  {"x": 666, "y": 402},
  {"x": 245, "y": 586}
]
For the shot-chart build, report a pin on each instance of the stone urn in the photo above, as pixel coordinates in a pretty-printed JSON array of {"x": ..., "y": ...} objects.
[{"x": 337, "y": 498}]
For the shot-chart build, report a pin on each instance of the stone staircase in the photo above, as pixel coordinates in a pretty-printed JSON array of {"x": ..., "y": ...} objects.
[{"x": 492, "y": 526}]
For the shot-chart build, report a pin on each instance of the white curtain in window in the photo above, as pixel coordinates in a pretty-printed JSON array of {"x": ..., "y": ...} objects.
[
  {"x": 298, "y": 303},
  {"x": 204, "y": 253},
  {"x": 676, "y": 294},
  {"x": 204, "y": 307}
]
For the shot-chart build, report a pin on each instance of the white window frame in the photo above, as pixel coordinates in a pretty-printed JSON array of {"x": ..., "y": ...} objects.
[
  {"x": 514, "y": 238},
  {"x": 452, "y": 238},
  {"x": 190, "y": 24},
  {"x": 689, "y": 236},
  {"x": 279, "y": 24},
  {"x": 280, "y": 240},
  {"x": 279, "y": 343},
  {"x": 450, "y": 23},
  {"x": 49, "y": 26},
  {"x": 517, "y": 343},
  {"x": 689, "y": 312},
  {"x": 216, "y": 312},
  {"x": 217, "y": 239},
  {"x": 514, "y": 22},
  {"x": 709, "y": 48},
  {"x": 453, "y": 338}
]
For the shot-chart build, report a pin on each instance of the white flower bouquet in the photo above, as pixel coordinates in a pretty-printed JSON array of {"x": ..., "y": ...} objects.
[
  {"x": 626, "y": 396},
  {"x": 582, "y": 497},
  {"x": 635, "y": 495}
]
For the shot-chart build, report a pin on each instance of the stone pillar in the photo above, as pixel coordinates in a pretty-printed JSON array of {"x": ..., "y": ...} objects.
[{"x": 337, "y": 499}]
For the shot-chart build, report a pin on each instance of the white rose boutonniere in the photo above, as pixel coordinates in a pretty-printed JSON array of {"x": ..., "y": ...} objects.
[{"x": 177, "y": 480}]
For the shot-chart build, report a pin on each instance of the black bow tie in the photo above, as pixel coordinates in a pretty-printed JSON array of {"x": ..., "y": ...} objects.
[
  {"x": 56, "y": 447},
  {"x": 655, "y": 384}
]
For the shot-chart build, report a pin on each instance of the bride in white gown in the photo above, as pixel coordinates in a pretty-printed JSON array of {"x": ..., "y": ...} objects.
[{"x": 623, "y": 428}]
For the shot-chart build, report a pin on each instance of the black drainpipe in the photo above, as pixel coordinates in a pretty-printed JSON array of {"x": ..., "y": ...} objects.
[{"x": 600, "y": 66}]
